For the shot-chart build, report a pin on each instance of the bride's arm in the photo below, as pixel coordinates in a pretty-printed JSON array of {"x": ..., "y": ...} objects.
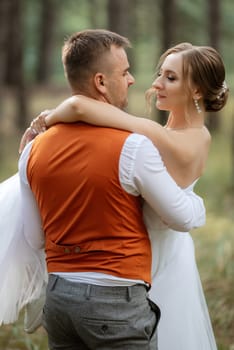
[{"x": 82, "y": 108}]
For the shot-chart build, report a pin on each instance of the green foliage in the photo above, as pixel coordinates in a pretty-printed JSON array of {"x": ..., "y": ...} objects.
[
  {"x": 72, "y": 15},
  {"x": 215, "y": 257},
  {"x": 13, "y": 337}
]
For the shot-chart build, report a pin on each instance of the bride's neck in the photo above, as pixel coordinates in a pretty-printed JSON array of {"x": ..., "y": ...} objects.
[{"x": 191, "y": 122}]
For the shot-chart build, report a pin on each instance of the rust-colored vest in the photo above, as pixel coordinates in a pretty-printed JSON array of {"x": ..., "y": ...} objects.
[{"x": 90, "y": 222}]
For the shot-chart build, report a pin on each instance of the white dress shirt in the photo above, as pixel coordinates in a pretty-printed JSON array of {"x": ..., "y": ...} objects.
[{"x": 141, "y": 172}]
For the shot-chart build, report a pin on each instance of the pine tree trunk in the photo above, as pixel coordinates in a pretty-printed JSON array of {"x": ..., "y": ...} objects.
[
  {"x": 49, "y": 11},
  {"x": 14, "y": 65},
  {"x": 214, "y": 30},
  {"x": 168, "y": 25},
  {"x": 121, "y": 19}
]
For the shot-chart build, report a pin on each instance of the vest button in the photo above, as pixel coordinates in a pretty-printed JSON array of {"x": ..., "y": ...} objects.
[
  {"x": 77, "y": 249},
  {"x": 66, "y": 250}
]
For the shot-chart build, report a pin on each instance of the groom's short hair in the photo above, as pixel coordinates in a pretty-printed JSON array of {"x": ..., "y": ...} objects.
[{"x": 83, "y": 54}]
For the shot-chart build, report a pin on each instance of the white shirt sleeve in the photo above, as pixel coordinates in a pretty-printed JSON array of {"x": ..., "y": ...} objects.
[
  {"x": 33, "y": 232},
  {"x": 142, "y": 172}
]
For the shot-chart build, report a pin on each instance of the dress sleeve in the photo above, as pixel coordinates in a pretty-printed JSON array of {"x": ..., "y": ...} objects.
[
  {"x": 32, "y": 226},
  {"x": 142, "y": 172}
]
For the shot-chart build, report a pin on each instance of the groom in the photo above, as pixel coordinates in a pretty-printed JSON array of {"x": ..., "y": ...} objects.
[{"x": 82, "y": 189}]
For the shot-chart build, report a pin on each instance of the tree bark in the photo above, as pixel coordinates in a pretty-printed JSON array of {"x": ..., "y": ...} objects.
[
  {"x": 49, "y": 9},
  {"x": 168, "y": 34},
  {"x": 4, "y": 20},
  {"x": 121, "y": 18},
  {"x": 168, "y": 24},
  {"x": 214, "y": 30},
  {"x": 118, "y": 16},
  {"x": 14, "y": 67}
]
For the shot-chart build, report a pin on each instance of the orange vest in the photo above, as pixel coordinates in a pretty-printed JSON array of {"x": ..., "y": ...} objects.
[{"x": 90, "y": 223}]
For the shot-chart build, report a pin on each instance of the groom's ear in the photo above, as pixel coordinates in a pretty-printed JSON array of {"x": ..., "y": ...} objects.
[{"x": 99, "y": 81}]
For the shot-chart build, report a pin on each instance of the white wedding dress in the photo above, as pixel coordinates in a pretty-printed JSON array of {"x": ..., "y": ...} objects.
[
  {"x": 176, "y": 287},
  {"x": 22, "y": 269}
]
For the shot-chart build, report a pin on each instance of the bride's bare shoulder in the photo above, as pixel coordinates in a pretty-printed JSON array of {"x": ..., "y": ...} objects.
[{"x": 191, "y": 144}]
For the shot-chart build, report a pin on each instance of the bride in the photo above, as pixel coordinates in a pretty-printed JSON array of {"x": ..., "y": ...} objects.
[{"x": 190, "y": 82}]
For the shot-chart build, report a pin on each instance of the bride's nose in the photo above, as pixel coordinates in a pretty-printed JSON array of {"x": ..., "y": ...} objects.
[{"x": 157, "y": 84}]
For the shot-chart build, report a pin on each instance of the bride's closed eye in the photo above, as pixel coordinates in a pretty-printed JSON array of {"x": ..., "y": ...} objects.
[{"x": 171, "y": 78}]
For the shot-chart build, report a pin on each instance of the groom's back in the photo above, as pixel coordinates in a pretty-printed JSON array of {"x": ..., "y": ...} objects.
[{"x": 73, "y": 171}]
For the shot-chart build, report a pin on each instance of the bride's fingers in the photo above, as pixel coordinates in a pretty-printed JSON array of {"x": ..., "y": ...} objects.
[
  {"x": 23, "y": 140},
  {"x": 28, "y": 136},
  {"x": 38, "y": 124}
]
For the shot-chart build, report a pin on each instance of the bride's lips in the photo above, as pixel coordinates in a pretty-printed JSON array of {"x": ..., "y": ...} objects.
[{"x": 159, "y": 96}]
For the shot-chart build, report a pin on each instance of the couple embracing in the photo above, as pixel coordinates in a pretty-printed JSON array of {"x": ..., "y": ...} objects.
[{"x": 110, "y": 199}]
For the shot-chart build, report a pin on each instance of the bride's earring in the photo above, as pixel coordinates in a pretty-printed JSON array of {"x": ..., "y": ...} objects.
[{"x": 197, "y": 106}]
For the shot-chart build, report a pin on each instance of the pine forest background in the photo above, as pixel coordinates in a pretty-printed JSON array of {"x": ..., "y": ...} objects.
[{"x": 31, "y": 80}]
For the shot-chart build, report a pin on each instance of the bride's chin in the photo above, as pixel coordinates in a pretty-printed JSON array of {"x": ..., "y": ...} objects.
[{"x": 159, "y": 106}]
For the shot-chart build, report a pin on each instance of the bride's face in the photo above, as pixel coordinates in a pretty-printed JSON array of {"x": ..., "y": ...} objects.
[{"x": 171, "y": 90}]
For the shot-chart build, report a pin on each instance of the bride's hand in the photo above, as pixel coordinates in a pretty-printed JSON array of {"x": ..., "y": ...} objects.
[{"x": 37, "y": 126}]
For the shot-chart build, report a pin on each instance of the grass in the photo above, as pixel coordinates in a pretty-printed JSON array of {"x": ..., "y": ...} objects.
[
  {"x": 14, "y": 338},
  {"x": 214, "y": 242},
  {"x": 215, "y": 258}
]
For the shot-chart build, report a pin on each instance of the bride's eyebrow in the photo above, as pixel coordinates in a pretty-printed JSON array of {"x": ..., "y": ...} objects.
[
  {"x": 170, "y": 71},
  {"x": 167, "y": 71}
]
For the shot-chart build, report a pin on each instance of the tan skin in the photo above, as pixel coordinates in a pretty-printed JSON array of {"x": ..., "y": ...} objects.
[{"x": 184, "y": 141}]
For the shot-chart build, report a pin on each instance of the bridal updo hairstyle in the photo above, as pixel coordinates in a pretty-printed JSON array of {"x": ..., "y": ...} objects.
[{"x": 203, "y": 66}]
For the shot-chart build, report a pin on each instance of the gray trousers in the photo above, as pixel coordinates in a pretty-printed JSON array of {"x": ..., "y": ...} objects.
[{"x": 80, "y": 316}]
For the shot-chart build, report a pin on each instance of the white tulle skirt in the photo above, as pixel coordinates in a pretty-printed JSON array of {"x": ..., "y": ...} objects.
[
  {"x": 176, "y": 287},
  {"x": 22, "y": 270}
]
